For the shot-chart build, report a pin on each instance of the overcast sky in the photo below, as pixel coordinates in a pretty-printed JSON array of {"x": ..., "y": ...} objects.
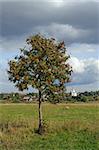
[{"x": 75, "y": 22}]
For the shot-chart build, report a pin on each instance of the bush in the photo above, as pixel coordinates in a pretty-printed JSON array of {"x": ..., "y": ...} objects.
[{"x": 84, "y": 99}]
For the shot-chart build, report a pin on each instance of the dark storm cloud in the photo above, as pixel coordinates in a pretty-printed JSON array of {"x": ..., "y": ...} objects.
[
  {"x": 21, "y": 18},
  {"x": 81, "y": 14},
  {"x": 75, "y": 22}
]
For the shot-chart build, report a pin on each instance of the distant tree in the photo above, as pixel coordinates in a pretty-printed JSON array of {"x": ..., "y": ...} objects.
[
  {"x": 15, "y": 97},
  {"x": 42, "y": 65},
  {"x": 1, "y": 96}
]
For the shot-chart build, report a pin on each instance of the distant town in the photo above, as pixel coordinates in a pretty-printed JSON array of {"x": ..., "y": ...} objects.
[{"x": 72, "y": 96}]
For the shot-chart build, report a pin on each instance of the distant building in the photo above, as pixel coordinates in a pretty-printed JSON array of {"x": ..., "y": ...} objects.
[
  {"x": 27, "y": 99},
  {"x": 73, "y": 93}
]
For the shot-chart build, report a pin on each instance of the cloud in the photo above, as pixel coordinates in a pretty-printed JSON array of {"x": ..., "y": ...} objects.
[
  {"x": 21, "y": 18},
  {"x": 77, "y": 65},
  {"x": 84, "y": 50},
  {"x": 13, "y": 44},
  {"x": 5, "y": 85},
  {"x": 84, "y": 47},
  {"x": 65, "y": 32},
  {"x": 74, "y": 22},
  {"x": 84, "y": 87},
  {"x": 85, "y": 71}
]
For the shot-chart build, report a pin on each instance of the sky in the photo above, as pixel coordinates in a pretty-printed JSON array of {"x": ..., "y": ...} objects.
[{"x": 75, "y": 22}]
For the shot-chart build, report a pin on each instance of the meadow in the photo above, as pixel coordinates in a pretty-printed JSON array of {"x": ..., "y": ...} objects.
[{"x": 67, "y": 127}]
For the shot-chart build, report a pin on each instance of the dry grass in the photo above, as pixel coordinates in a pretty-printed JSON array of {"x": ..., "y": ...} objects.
[{"x": 19, "y": 122}]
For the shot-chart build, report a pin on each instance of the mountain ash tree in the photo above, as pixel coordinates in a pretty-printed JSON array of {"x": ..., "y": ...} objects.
[{"x": 43, "y": 65}]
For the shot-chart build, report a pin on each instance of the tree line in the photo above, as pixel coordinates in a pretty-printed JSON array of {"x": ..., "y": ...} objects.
[{"x": 81, "y": 97}]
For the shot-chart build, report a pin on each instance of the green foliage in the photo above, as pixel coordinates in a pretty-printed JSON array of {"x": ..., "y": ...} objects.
[
  {"x": 83, "y": 97},
  {"x": 39, "y": 65},
  {"x": 1, "y": 96},
  {"x": 91, "y": 93},
  {"x": 15, "y": 97}
]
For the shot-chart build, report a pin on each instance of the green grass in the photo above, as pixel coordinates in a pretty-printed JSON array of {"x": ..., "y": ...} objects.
[{"x": 76, "y": 128}]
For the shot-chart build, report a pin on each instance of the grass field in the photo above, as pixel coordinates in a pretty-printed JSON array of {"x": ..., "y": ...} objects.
[{"x": 76, "y": 128}]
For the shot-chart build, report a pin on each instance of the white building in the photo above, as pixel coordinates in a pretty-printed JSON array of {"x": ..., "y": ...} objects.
[{"x": 73, "y": 93}]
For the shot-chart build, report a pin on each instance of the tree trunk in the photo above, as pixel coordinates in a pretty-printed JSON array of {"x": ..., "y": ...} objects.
[{"x": 40, "y": 128}]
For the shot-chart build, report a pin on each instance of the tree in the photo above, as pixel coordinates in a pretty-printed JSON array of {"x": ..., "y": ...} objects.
[{"x": 42, "y": 65}]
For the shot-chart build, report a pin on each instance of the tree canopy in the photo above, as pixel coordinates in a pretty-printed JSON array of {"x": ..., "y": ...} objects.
[{"x": 42, "y": 66}]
